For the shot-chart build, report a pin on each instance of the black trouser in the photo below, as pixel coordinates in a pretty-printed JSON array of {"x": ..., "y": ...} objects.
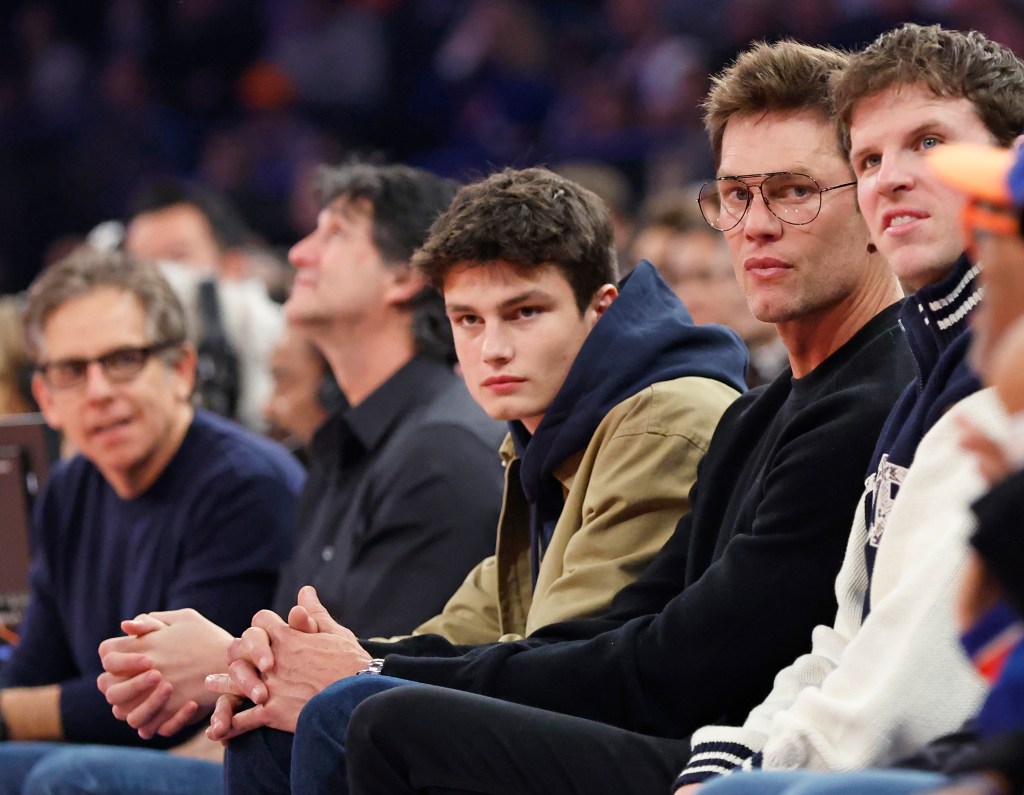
[{"x": 434, "y": 740}]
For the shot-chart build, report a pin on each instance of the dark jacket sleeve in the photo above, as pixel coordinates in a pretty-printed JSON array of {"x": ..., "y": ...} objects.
[
  {"x": 963, "y": 752},
  {"x": 712, "y": 652},
  {"x": 1003, "y": 753},
  {"x": 1000, "y": 535}
]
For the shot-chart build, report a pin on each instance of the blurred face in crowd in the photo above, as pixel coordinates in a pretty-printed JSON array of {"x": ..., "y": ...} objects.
[
  {"x": 913, "y": 216},
  {"x": 293, "y": 408},
  {"x": 178, "y": 233},
  {"x": 1006, "y": 372},
  {"x": 517, "y": 332},
  {"x": 698, "y": 268},
  {"x": 129, "y": 427},
  {"x": 793, "y": 273},
  {"x": 1002, "y": 259}
]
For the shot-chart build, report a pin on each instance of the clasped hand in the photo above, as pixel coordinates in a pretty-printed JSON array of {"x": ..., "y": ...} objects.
[
  {"x": 279, "y": 666},
  {"x": 154, "y": 675}
]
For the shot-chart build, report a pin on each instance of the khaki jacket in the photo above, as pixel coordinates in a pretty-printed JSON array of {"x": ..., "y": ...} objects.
[{"x": 624, "y": 495}]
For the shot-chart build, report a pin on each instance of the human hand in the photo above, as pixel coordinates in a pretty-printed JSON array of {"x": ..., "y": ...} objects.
[
  {"x": 993, "y": 463},
  {"x": 279, "y": 666},
  {"x": 154, "y": 676},
  {"x": 687, "y": 789}
]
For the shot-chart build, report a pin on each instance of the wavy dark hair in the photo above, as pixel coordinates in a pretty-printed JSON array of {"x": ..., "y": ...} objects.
[
  {"x": 403, "y": 202},
  {"x": 527, "y": 218}
]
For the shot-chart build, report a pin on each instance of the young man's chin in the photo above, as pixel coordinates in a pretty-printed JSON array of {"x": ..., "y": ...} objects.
[{"x": 919, "y": 265}]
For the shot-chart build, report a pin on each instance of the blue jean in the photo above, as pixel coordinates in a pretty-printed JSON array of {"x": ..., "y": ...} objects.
[
  {"x": 268, "y": 761},
  {"x": 68, "y": 769},
  {"x": 805, "y": 782}
]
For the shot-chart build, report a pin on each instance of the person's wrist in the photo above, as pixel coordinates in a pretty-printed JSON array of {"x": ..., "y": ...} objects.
[{"x": 4, "y": 732}]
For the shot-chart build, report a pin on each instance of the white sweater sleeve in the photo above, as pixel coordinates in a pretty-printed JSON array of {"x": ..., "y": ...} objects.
[{"x": 867, "y": 694}]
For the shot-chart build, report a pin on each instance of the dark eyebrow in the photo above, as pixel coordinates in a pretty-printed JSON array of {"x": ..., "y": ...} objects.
[{"x": 527, "y": 295}]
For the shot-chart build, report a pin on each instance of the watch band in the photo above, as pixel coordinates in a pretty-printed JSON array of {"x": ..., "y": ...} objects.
[{"x": 373, "y": 668}]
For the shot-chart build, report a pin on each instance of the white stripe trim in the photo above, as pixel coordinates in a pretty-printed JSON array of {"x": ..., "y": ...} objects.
[
  {"x": 712, "y": 755},
  {"x": 945, "y": 322},
  {"x": 942, "y": 303},
  {"x": 716, "y": 769}
]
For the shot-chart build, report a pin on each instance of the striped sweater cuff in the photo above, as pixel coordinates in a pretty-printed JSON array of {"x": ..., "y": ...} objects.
[{"x": 708, "y": 760}]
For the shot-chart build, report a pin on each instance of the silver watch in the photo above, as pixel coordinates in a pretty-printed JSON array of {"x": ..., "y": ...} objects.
[{"x": 373, "y": 668}]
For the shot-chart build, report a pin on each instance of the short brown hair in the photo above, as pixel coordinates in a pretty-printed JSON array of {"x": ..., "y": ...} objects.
[
  {"x": 86, "y": 269},
  {"x": 950, "y": 63},
  {"x": 766, "y": 78},
  {"x": 528, "y": 218}
]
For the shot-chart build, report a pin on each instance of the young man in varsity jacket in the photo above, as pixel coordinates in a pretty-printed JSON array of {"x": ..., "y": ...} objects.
[
  {"x": 736, "y": 589},
  {"x": 887, "y": 676}
]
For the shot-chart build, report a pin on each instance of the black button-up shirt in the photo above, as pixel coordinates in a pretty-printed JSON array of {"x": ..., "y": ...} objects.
[{"x": 401, "y": 502}]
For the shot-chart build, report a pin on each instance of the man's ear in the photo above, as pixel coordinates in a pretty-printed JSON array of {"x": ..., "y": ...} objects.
[
  {"x": 41, "y": 392},
  {"x": 184, "y": 372},
  {"x": 1018, "y": 144},
  {"x": 406, "y": 284},
  {"x": 603, "y": 298}
]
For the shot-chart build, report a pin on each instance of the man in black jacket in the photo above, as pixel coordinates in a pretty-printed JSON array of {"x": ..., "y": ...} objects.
[{"x": 747, "y": 573}]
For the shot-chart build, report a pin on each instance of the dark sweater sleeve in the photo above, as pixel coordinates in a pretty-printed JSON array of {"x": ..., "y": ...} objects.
[
  {"x": 238, "y": 537},
  {"x": 712, "y": 652},
  {"x": 1000, "y": 536},
  {"x": 1003, "y": 753}
]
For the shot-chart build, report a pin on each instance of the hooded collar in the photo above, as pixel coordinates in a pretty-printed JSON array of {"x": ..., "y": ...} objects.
[{"x": 645, "y": 336}]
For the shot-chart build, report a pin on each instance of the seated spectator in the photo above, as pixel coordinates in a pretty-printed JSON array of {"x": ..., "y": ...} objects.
[
  {"x": 695, "y": 262},
  {"x": 737, "y": 586},
  {"x": 15, "y": 365},
  {"x": 611, "y": 187},
  {"x": 201, "y": 244},
  {"x": 164, "y": 506},
  {"x": 302, "y": 394}
]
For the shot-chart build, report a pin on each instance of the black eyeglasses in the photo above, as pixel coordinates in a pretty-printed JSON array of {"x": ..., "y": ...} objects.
[
  {"x": 792, "y": 198},
  {"x": 119, "y": 365}
]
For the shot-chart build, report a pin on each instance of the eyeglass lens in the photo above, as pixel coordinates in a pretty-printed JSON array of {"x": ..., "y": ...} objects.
[
  {"x": 121, "y": 364},
  {"x": 793, "y": 198}
]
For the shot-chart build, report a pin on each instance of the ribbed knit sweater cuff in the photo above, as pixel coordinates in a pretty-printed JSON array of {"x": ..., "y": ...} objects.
[{"x": 711, "y": 759}]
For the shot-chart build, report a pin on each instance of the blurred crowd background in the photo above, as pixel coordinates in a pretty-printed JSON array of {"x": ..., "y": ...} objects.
[{"x": 246, "y": 96}]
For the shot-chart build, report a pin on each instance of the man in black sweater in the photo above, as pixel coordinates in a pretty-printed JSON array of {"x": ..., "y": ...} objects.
[{"x": 734, "y": 592}]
